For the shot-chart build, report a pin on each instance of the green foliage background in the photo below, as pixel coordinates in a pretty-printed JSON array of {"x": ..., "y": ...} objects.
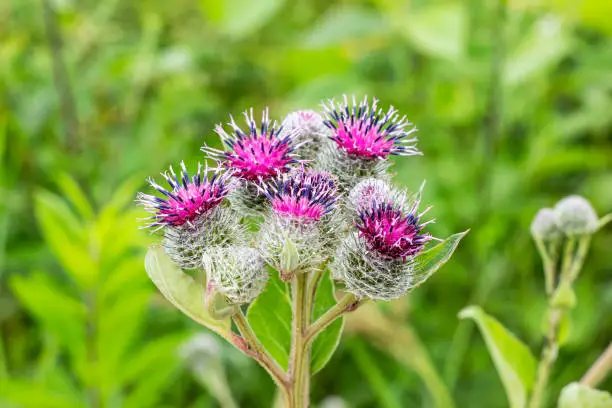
[{"x": 513, "y": 101}]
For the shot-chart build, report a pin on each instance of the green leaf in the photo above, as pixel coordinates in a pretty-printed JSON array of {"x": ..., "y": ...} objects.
[
  {"x": 438, "y": 30},
  {"x": 402, "y": 343},
  {"x": 150, "y": 370},
  {"x": 371, "y": 371},
  {"x": 543, "y": 46},
  {"x": 26, "y": 394},
  {"x": 270, "y": 318},
  {"x": 66, "y": 237},
  {"x": 74, "y": 193},
  {"x": 181, "y": 290},
  {"x": 240, "y": 18},
  {"x": 116, "y": 345},
  {"x": 576, "y": 395},
  {"x": 57, "y": 312},
  {"x": 346, "y": 24},
  {"x": 514, "y": 362},
  {"x": 428, "y": 262},
  {"x": 326, "y": 343}
]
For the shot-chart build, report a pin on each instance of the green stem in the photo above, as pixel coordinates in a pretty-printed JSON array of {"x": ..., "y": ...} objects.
[
  {"x": 551, "y": 346},
  {"x": 568, "y": 256},
  {"x": 299, "y": 359},
  {"x": 547, "y": 360},
  {"x": 600, "y": 370},
  {"x": 93, "y": 393},
  {"x": 309, "y": 302},
  {"x": 3, "y": 366},
  {"x": 348, "y": 303},
  {"x": 583, "y": 248},
  {"x": 549, "y": 266},
  {"x": 251, "y": 346}
]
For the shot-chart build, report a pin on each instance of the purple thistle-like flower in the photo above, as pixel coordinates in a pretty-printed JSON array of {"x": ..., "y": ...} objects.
[
  {"x": 257, "y": 155},
  {"x": 363, "y": 130},
  {"x": 188, "y": 198},
  {"x": 392, "y": 232},
  {"x": 304, "y": 195}
]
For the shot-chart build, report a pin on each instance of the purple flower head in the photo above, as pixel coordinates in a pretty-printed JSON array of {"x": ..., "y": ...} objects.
[
  {"x": 187, "y": 199},
  {"x": 363, "y": 130},
  {"x": 257, "y": 155},
  {"x": 303, "y": 195},
  {"x": 391, "y": 231}
]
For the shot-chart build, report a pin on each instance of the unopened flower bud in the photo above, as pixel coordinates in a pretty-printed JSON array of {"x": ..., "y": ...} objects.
[
  {"x": 289, "y": 258},
  {"x": 247, "y": 199},
  {"x": 200, "y": 350},
  {"x": 291, "y": 248},
  {"x": 309, "y": 131},
  {"x": 348, "y": 169},
  {"x": 370, "y": 191},
  {"x": 237, "y": 272},
  {"x": 576, "y": 216},
  {"x": 544, "y": 225}
]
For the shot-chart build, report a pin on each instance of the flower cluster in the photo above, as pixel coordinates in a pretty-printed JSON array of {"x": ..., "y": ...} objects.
[{"x": 295, "y": 197}]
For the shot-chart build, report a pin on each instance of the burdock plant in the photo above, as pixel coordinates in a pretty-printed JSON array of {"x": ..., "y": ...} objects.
[{"x": 294, "y": 227}]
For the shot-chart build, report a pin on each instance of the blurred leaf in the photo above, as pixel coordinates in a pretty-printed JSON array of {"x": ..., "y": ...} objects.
[
  {"x": 428, "y": 262},
  {"x": 514, "y": 362},
  {"x": 202, "y": 354},
  {"x": 64, "y": 235},
  {"x": 400, "y": 341},
  {"x": 157, "y": 354},
  {"x": 31, "y": 395},
  {"x": 326, "y": 343},
  {"x": 150, "y": 369},
  {"x": 576, "y": 395},
  {"x": 346, "y": 24},
  {"x": 181, "y": 290},
  {"x": 240, "y": 18},
  {"x": 73, "y": 192},
  {"x": 124, "y": 278},
  {"x": 540, "y": 49},
  {"x": 438, "y": 30},
  {"x": 311, "y": 93},
  {"x": 3, "y": 143},
  {"x": 58, "y": 313},
  {"x": 115, "y": 344},
  {"x": 270, "y": 318},
  {"x": 123, "y": 196},
  {"x": 374, "y": 375},
  {"x": 304, "y": 65}
]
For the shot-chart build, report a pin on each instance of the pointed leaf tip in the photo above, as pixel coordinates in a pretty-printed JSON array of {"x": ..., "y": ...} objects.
[
  {"x": 181, "y": 290},
  {"x": 514, "y": 362},
  {"x": 429, "y": 261}
]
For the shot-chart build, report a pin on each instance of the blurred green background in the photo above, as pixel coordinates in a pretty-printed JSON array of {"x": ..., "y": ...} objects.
[{"x": 513, "y": 101}]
